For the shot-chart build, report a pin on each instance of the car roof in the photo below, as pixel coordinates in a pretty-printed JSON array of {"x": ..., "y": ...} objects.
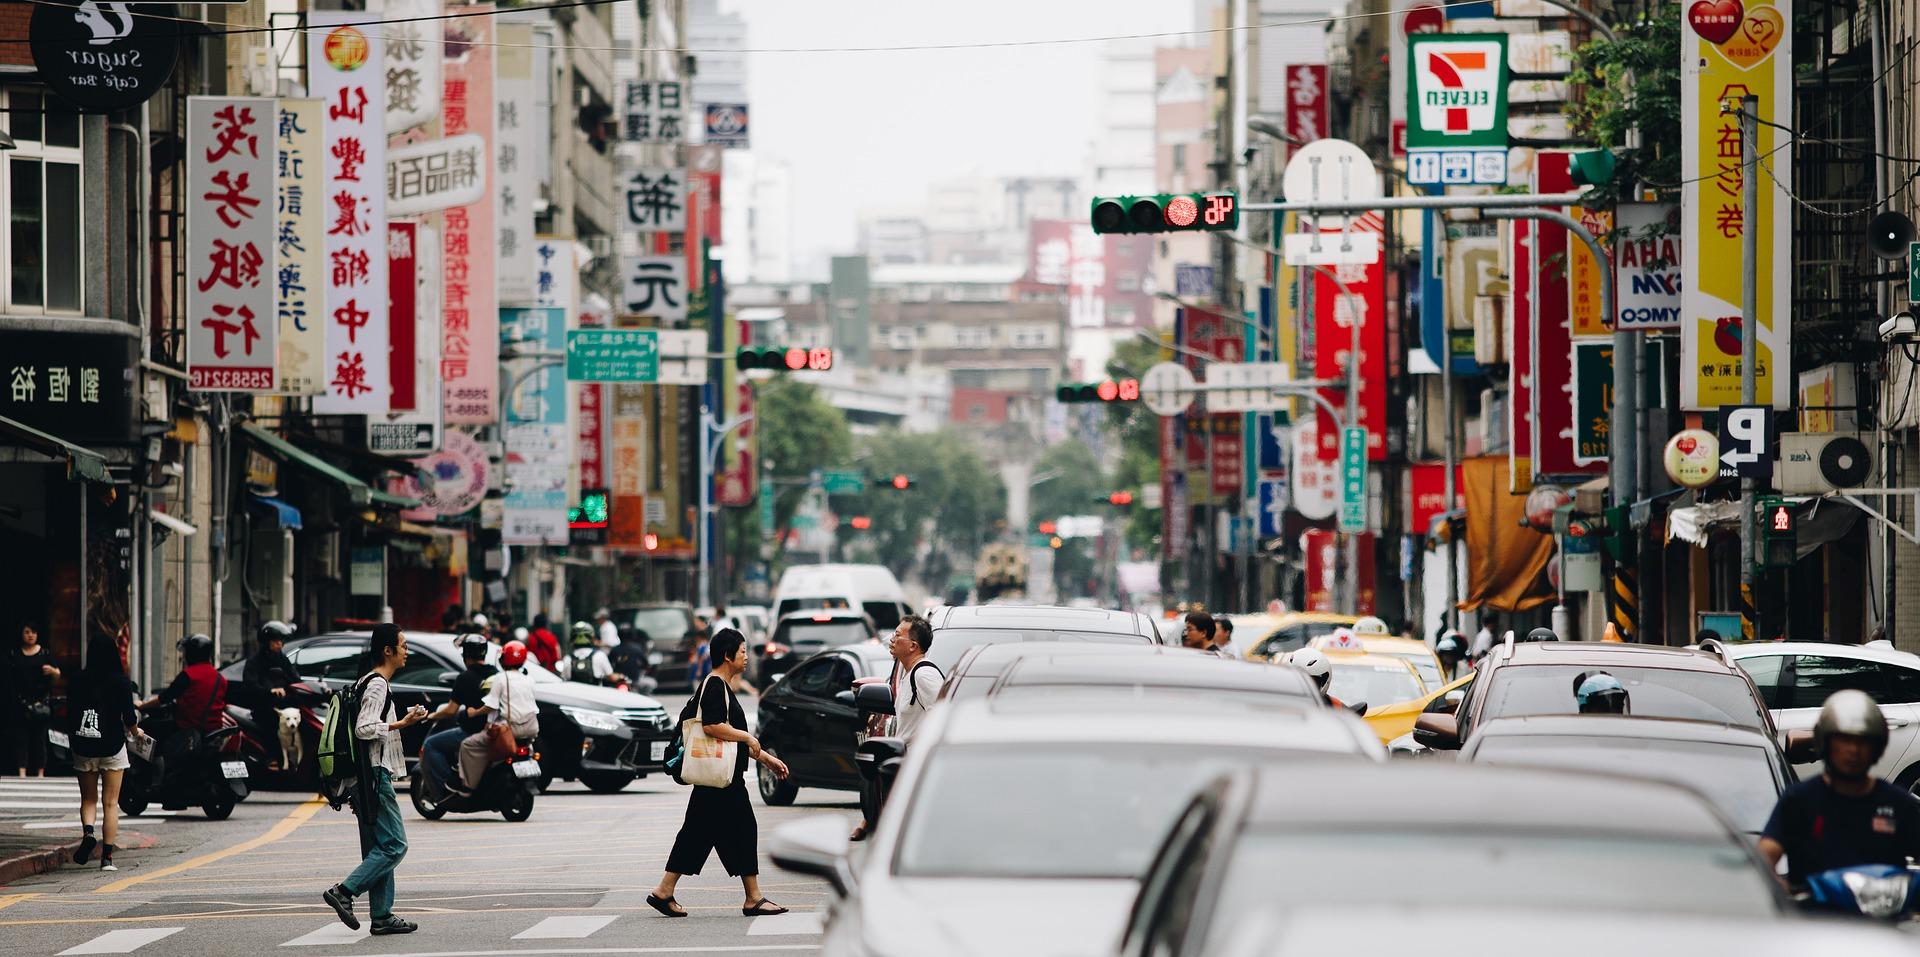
[
  {"x": 1375, "y": 644},
  {"x": 1156, "y": 666},
  {"x": 997, "y": 655},
  {"x": 1621, "y": 726},
  {"x": 825, "y": 615},
  {"x": 1369, "y": 659},
  {"x": 1756, "y": 649},
  {"x": 1610, "y": 653},
  {"x": 1558, "y": 802},
  {"x": 1038, "y": 617},
  {"x": 870, "y": 651},
  {"x": 1315, "y": 618},
  {"x": 1285, "y": 725}
]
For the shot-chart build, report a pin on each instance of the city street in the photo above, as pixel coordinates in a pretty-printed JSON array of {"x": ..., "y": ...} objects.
[{"x": 572, "y": 879}]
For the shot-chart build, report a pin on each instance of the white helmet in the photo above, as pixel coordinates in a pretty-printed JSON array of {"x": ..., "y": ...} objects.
[
  {"x": 1311, "y": 661},
  {"x": 1371, "y": 627}
]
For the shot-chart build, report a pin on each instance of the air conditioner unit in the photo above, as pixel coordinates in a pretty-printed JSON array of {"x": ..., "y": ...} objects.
[{"x": 1814, "y": 464}]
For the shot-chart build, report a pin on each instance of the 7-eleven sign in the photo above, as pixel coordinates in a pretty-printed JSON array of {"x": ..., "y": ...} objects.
[{"x": 1457, "y": 90}]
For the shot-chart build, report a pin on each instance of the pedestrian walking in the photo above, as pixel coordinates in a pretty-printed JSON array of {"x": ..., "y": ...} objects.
[
  {"x": 721, "y": 819},
  {"x": 543, "y": 643},
  {"x": 1199, "y": 631},
  {"x": 101, "y": 718},
  {"x": 383, "y": 840},
  {"x": 31, "y": 672}
]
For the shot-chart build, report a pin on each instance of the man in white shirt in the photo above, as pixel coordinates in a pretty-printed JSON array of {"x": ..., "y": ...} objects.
[
  {"x": 916, "y": 681},
  {"x": 609, "y": 632}
]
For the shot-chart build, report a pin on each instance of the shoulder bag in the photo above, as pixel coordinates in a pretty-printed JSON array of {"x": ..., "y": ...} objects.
[
  {"x": 501, "y": 744},
  {"x": 707, "y": 761}
]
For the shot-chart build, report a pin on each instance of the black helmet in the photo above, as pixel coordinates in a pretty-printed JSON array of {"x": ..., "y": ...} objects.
[
  {"x": 274, "y": 631},
  {"x": 473, "y": 646},
  {"x": 1449, "y": 644},
  {"x": 196, "y": 648},
  {"x": 1596, "y": 692},
  {"x": 1542, "y": 634},
  {"x": 1852, "y": 713}
]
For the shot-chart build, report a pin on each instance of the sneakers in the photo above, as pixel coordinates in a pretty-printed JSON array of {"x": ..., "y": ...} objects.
[
  {"x": 342, "y": 904},
  {"x": 392, "y": 925},
  {"x": 87, "y": 843},
  {"x": 106, "y": 858}
]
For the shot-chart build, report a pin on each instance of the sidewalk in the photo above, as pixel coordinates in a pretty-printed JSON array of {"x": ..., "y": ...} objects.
[{"x": 30, "y": 843}]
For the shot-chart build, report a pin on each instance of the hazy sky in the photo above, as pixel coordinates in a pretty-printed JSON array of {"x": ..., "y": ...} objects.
[{"x": 861, "y": 130}]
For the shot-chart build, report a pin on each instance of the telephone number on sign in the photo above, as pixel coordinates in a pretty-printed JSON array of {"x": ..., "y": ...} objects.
[{"x": 227, "y": 378}]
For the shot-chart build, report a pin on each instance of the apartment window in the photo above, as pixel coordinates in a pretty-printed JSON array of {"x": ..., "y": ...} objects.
[
  {"x": 900, "y": 337},
  {"x": 40, "y": 193},
  {"x": 972, "y": 338},
  {"x": 1179, "y": 157}
]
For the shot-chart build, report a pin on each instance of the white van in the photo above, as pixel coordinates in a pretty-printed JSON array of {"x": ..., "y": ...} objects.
[{"x": 869, "y": 588}]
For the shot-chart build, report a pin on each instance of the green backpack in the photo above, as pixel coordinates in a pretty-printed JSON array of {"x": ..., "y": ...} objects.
[{"x": 339, "y": 757}]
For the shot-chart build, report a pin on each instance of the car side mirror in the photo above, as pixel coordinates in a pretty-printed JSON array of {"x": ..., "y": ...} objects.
[
  {"x": 816, "y": 847},
  {"x": 873, "y": 698},
  {"x": 844, "y": 697},
  {"x": 1445, "y": 704},
  {"x": 448, "y": 677},
  {"x": 1800, "y": 749},
  {"x": 1441, "y": 732},
  {"x": 1358, "y": 708}
]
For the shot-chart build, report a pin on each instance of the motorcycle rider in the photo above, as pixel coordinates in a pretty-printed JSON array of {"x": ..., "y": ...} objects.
[
  {"x": 508, "y": 698},
  {"x": 1314, "y": 662},
  {"x": 270, "y": 676},
  {"x": 586, "y": 663},
  {"x": 1596, "y": 692},
  {"x": 1845, "y": 817},
  {"x": 1449, "y": 650},
  {"x": 441, "y": 748},
  {"x": 199, "y": 696}
]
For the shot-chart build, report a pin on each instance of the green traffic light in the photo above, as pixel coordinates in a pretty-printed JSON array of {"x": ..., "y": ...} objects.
[{"x": 1593, "y": 167}]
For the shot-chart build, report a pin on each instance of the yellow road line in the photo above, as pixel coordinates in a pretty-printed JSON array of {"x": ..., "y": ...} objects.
[
  {"x": 8, "y": 900},
  {"x": 287, "y": 825}
]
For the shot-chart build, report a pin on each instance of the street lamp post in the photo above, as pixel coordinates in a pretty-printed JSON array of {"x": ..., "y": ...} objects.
[{"x": 712, "y": 434}]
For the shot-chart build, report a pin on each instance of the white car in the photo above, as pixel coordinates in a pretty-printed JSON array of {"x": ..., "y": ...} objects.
[{"x": 1795, "y": 678}]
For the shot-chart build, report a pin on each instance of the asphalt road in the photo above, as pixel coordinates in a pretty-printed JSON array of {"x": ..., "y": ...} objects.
[{"x": 570, "y": 880}]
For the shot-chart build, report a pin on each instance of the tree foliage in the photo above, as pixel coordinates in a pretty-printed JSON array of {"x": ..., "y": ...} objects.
[
  {"x": 952, "y": 508},
  {"x": 1137, "y": 431},
  {"x": 1632, "y": 83},
  {"x": 798, "y": 432},
  {"x": 1077, "y": 484}
]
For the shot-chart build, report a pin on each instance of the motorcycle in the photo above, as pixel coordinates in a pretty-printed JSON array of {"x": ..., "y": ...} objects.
[
  {"x": 182, "y": 769},
  {"x": 509, "y": 787},
  {"x": 1880, "y": 891}
]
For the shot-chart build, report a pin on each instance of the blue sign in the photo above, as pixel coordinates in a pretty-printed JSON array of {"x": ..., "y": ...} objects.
[
  {"x": 1192, "y": 282},
  {"x": 727, "y": 125},
  {"x": 1433, "y": 299},
  {"x": 1273, "y": 455},
  {"x": 1273, "y": 506}
]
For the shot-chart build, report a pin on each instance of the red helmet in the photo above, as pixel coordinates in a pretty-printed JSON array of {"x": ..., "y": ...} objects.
[{"x": 513, "y": 655}]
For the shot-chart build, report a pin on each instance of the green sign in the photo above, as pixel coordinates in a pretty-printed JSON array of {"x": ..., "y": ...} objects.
[
  {"x": 613, "y": 355},
  {"x": 766, "y": 506},
  {"x": 843, "y": 481},
  {"x": 1353, "y": 480},
  {"x": 1592, "y": 400},
  {"x": 1913, "y": 273},
  {"x": 1456, "y": 90}
]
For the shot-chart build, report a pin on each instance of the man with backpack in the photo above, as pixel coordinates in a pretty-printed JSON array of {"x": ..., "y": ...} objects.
[
  {"x": 915, "y": 684},
  {"x": 376, "y": 759},
  {"x": 586, "y": 663}
]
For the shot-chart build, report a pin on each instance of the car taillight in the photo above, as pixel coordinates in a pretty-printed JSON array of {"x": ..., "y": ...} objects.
[{"x": 823, "y": 618}]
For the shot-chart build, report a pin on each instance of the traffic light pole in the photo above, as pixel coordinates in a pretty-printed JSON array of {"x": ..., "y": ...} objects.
[{"x": 713, "y": 434}]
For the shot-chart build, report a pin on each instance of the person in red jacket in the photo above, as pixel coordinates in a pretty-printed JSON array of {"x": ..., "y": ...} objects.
[
  {"x": 543, "y": 644},
  {"x": 198, "y": 692}
]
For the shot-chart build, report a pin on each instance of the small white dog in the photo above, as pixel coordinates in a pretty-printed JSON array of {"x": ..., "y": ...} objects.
[{"x": 291, "y": 750}]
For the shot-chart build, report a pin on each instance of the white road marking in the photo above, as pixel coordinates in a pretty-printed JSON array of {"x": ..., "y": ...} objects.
[
  {"x": 75, "y": 803},
  {"x": 558, "y": 928},
  {"x": 330, "y": 935},
  {"x": 786, "y": 924},
  {"x": 149, "y": 817},
  {"x": 565, "y": 951},
  {"x": 122, "y": 941}
]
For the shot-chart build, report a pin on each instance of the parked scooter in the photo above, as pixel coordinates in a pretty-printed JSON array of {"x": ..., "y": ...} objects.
[
  {"x": 285, "y": 756},
  {"x": 508, "y": 787},
  {"x": 185, "y": 769},
  {"x": 1879, "y": 891}
]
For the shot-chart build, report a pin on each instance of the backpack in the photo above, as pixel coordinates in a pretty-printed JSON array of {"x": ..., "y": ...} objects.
[
  {"x": 581, "y": 669},
  {"x": 340, "y": 755},
  {"x": 913, "y": 690}
]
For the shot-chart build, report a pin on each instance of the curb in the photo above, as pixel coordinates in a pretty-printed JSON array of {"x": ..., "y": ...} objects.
[{"x": 52, "y": 856}]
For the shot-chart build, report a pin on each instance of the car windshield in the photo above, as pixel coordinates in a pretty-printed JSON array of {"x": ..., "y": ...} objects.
[
  {"x": 1737, "y": 778},
  {"x": 1066, "y": 810},
  {"x": 662, "y": 625},
  {"x": 950, "y": 643},
  {"x": 1651, "y": 692},
  {"x": 1423, "y": 663},
  {"x": 821, "y": 633},
  {"x": 1375, "y": 684}
]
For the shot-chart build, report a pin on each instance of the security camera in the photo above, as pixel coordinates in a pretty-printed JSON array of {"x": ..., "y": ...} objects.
[{"x": 1898, "y": 328}]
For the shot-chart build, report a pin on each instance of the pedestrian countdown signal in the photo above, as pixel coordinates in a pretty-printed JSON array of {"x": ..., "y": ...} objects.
[{"x": 1166, "y": 213}]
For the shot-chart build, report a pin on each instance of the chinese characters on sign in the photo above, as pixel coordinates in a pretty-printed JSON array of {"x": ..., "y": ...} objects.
[
  {"x": 537, "y": 440},
  {"x": 402, "y": 296},
  {"x": 656, "y": 200},
  {"x": 655, "y": 286},
  {"x": 654, "y": 112},
  {"x": 1307, "y": 101},
  {"x": 470, "y": 321},
  {"x": 299, "y": 248},
  {"x": 347, "y": 72},
  {"x": 516, "y": 143},
  {"x": 435, "y": 175},
  {"x": 411, "y": 30},
  {"x": 73, "y": 385},
  {"x": 232, "y": 326}
]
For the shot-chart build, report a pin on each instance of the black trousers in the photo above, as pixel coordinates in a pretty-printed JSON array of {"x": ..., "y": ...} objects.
[
  {"x": 718, "y": 819},
  {"x": 27, "y": 745}
]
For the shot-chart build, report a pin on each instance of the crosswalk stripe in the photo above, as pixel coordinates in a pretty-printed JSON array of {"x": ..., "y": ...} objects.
[
  {"x": 75, "y": 803},
  {"x": 149, "y": 817},
  {"x": 795, "y": 924},
  {"x": 121, "y": 941},
  {"x": 328, "y": 935},
  {"x": 556, "y": 928}
]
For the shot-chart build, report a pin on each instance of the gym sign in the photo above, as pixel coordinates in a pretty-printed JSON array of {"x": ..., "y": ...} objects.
[{"x": 1457, "y": 96}]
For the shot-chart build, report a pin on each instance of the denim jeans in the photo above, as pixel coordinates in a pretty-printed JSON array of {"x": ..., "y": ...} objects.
[
  {"x": 438, "y": 753},
  {"x": 387, "y": 844}
]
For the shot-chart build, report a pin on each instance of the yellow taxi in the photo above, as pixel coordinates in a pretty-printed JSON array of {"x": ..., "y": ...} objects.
[
  {"x": 1289, "y": 632},
  {"x": 1394, "y": 720},
  {"x": 1416, "y": 652},
  {"x": 1378, "y": 680}
]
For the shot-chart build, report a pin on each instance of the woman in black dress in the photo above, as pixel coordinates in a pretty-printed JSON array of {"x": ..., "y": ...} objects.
[
  {"x": 721, "y": 819},
  {"x": 31, "y": 672}
]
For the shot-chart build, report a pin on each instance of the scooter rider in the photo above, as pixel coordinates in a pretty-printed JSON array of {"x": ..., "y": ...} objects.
[
  {"x": 442, "y": 748},
  {"x": 199, "y": 696},
  {"x": 508, "y": 699},
  {"x": 269, "y": 676},
  {"x": 586, "y": 663},
  {"x": 1845, "y": 817},
  {"x": 1314, "y": 662},
  {"x": 1449, "y": 649}
]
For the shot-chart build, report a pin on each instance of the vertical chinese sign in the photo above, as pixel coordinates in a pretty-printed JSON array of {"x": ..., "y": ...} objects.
[
  {"x": 653, "y": 111},
  {"x": 470, "y": 324},
  {"x": 402, "y": 297},
  {"x": 413, "y": 62},
  {"x": 1730, "y": 50},
  {"x": 347, "y": 72},
  {"x": 1335, "y": 313},
  {"x": 232, "y": 328},
  {"x": 300, "y": 247},
  {"x": 516, "y": 144},
  {"x": 1307, "y": 101}
]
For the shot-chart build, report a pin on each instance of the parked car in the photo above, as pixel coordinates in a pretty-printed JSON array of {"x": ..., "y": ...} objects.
[
  {"x": 603, "y": 737},
  {"x": 958, "y": 628},
  {"x": 1536, "y": 677},
  {"x": 804, "y": 634},
  {"x": 1260, "y": 845},
  {"x": 1373, "y": 680},
  {"x": 1023, "y": 827},
  {"x": 1292, "y": 633},
  {"x": 975, "y": 674},
  {"x": 669, "y": 638},
  {"x": 1740, "y": 770},
  {"x": 1416, "y": 653},
  {"x": 808, "y": 720},
  {"x": 1794, "y": 678}
]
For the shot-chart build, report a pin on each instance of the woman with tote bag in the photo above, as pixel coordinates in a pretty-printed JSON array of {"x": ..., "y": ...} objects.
[{"x": 719, "y": 814}]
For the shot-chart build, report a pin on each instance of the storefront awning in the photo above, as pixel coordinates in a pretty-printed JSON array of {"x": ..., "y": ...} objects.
[
  {"x": 357, "y": 491},
  {"x": 279, "y": 513},
  {"x": 82, "y": 463}
]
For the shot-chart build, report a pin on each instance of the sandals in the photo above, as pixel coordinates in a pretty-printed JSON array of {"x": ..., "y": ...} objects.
[
  {"x": 665, "y": 905},
  {"x": 762, "y": 908}
]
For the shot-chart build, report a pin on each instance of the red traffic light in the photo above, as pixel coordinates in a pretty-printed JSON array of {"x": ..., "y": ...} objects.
[
  {"x": 1047, "y": 528},
  {"x": 796, "y": 358},
  {"x": 1108, "y": 391},
  {"x": 1120, "y": 498},
  {"x": 862, "y": 522},
  {"x": 1128, "y": 389},
  {"x": 1182, "y": 211},
  {"x": 902, "y": 482}
]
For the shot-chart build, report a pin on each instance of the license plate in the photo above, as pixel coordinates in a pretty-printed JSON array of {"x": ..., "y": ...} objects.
[
  {"x": 526, "y": 769},
  {"x": 233, "y": 770},
  {"x": 58, "y": 739},
  {"x": 658, "y": 751}
]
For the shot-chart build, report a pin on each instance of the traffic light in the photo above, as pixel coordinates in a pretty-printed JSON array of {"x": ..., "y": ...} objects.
[
  {"x": 902, "y": 482},
  {"x": 1048, "y": 528},
  {"x": 1106, "y": 390},
  {"x": 1593, "y": 167},
  {"x": 861, "y": 523},
  {"x": 1166, "y": 213},
  {"x": 587, "y": 522},
  {"x": 1781, "y": 543},
  {"x": 783, "y": 358},
  {"x": 1120, "y": 499},
  {"x": 1055, "y": 542}
]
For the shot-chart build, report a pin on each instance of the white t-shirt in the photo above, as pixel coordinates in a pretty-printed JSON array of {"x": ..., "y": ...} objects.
[
  {"x": 609, "y": 635},
  {"x": 910, "y": 705},
  {"x": 510, "y": 693},
  {"x": 602, "y": 667}
]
